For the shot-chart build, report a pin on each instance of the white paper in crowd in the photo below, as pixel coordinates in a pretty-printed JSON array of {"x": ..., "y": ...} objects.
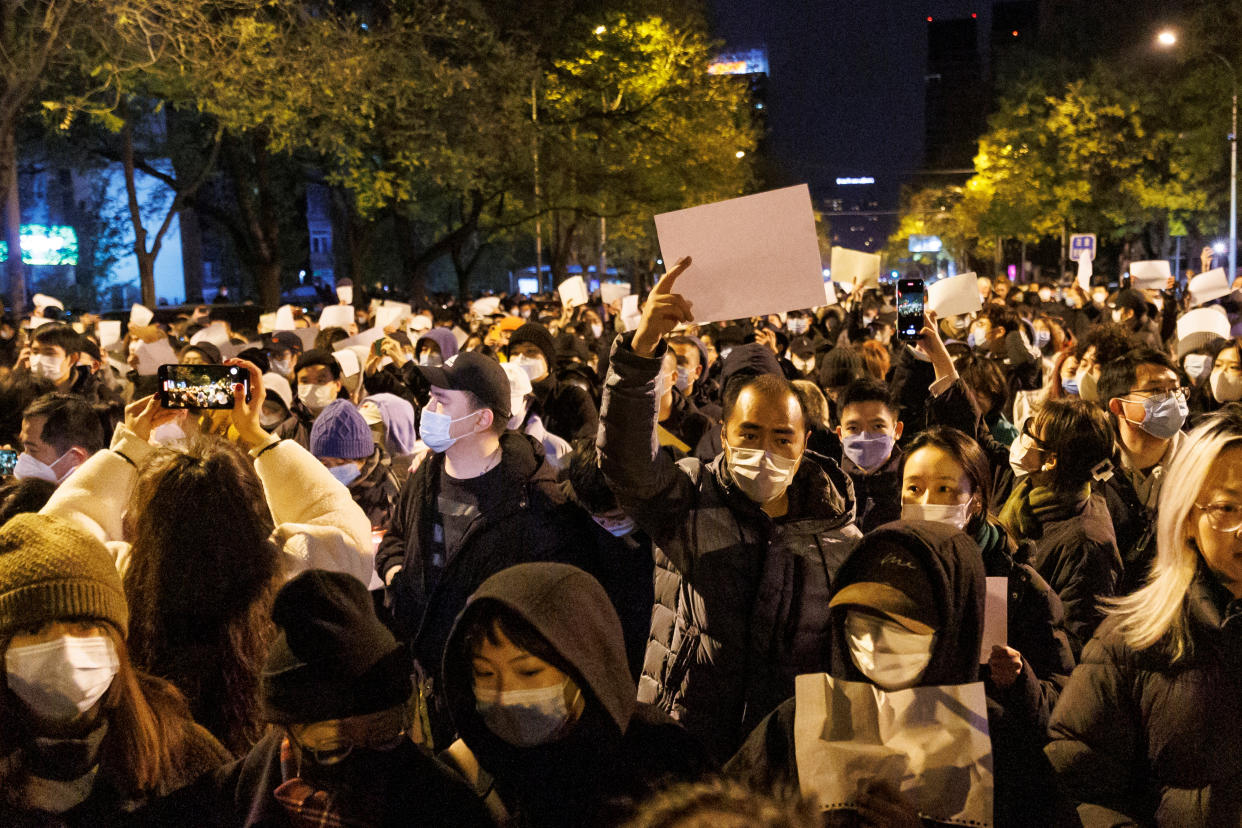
[
  {"x": 459, "y": 335},
  {"x": 995, "y": 617},
  {"x": 573, "y": 292},
  {"x": 485, "y": 306},
  {"x": 39, "y": 322},
  {"x": 857, "y": 268},
  {"x": 419, "y": 323},
  {"x": 151, "y": 355},
  {"x": 109, "y": 331},
  {"x": 1150, "y": 274},
  {"x": 1198, "y": 327},
  {"x": 307, "y": 336},
  {"x": 267, "y": 322},
  {"x": 1208, "y": 286},
  {"x": 1084, "y": 272},
  {"x": 830, "y": 293},
  {"x": 954, "y": 296},
  {"x": 931, "y": 744},
  {"x": 79, "y": 327},
  {"x": 216, "y": 333},
  {"x": 140, "y": 315},
  {"x": 387, "y": 315},
  {"x": 336, "y": 316},
  {"x": 610, "y": 292},
  {"x": 631, "y": 313},
  {"x": 364, "y": 339},
  {"x": 345, "y": 294},
  {"x": 284, "y": 319},
  {"x": 42, "y": 300},
  {"x": 347, "y": 358},
  {"x": 753, "y": 256}
]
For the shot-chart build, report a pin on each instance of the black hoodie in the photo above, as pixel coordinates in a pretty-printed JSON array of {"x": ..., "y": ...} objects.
[{"x": 617, "y": 750}]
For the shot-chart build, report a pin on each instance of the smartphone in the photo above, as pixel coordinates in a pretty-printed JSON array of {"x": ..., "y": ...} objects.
[
  {"x": 909, "y": 308},
  {"x": 201, "y": 386},
  {"x": 8, "y": 459},
  {"x": 377, "y": 347}
]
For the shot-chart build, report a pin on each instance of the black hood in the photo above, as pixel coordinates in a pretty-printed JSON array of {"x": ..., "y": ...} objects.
[
  {"x": 570, "y": 610},
  {"x": 954, "y": 566}
]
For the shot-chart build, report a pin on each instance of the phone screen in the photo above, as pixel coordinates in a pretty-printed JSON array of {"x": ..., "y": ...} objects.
[
  {"x": 8, "y": 459},
  {"x": 200, "y": 386},
  {"x": 909, "y": 308}
]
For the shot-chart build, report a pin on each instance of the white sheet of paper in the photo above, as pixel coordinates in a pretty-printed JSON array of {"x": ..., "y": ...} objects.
[
  {"x": 387, "y": 314},
  {"x": 345, "y": 294},
  {"x": 752, "y": 256},
  {"x": 216, "y": 333},
  {"x": 931, "y": 744},
  {"x": 1150, "y": 274},
  {"x": 39, "y": 322},
  {"x": 1084, "y": 272},
  {"x": 830, "y": 293},
  {"x": 347, "y": 358},
  {"x": 954, "y": 296},
  {"x": 307, "y": 335},
  {"x": 610, "y": 292},
  {"x": 1208, "y": 286},
  {"x": 995, "y": 617},
  {"x": 486, "y": 306},
  {"x": 364, "y": 339},
  {"x": 140, "y": 315},
  {"x": 856, "y": 268},
  {"x": 284, "y": 319},
  {"x": 631, "y": 313},
  {"x": 42, "y": 300},
  {"x": 336, "y": 316},
  {"x": 151, "y": 355},
  {"x": 573, "y": 292},
  {"x": 1211, "y": 320},
  {"x": 267, "y": 322},
  {"x": 459, "y": 335},
  {"x": 109, "y": 331}
]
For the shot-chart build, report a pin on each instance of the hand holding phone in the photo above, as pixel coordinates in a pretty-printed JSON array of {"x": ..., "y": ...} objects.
[
  {"x": 909, "y": 309},
  {"x": 8, "y": 460},
  {"x": 207, "y": 387}
]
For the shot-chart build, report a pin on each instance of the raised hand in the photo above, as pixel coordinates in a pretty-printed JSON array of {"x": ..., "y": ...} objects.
[{"x": 664, "y": 311}]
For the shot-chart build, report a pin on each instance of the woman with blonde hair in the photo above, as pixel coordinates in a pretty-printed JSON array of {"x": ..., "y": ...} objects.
[{"x": 1146, "y": 732}]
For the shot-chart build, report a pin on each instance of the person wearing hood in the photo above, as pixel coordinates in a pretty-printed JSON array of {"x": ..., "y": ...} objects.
[
  {"x": 747, "y": 545},
  {"x": 567, "y": 410},
  {"x": 692, "y": 379},
  {"x": 336, "y": 693},
  {"x": 527, "y": 420},
  {"x": 435, "y": 347},
  {"x": 392, "y": 419},
  {"x": 680, "y": 425},
  {"x": 280, "y": 416},
  {"x": 485, "y": 499},
  {"x": 543, "y": 700},
  {"x": 342, "y": 441}
]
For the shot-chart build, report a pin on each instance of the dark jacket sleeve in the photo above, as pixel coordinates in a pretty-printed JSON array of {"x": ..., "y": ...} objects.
[
  {"x": 1095, "y": 569},
  {"x": 392, "y": 549},
  {"x": 766, "y": 761},
  {"x": 388, "y": 381},
  {"x": 649, "y": 486},
  {"x": 575, "y": 414},
  {"x": 1096, "y": 739},
  {"x": 956, "y": 407}
]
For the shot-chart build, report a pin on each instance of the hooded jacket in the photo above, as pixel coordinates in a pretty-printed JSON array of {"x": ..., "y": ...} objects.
[
  {"x": 376, "y": 488},
  {"x": 741, "y": 599},
  {"x": 618, "y": 749}
]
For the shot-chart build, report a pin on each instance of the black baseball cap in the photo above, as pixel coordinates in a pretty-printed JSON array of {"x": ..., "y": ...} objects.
[
  {"x": 474, "y": 372},
  {"x": 893, "y": 584}
]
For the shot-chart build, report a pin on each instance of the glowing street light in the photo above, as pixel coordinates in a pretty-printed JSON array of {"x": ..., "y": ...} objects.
[
  {"x": 1166, "y": 38},
  {"x": 1220, "y": 247},
  {"x": 599, "y": 30},
  {"x": 740, "y": 153}
]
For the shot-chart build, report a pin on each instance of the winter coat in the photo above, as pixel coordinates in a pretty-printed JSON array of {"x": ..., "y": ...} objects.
[
  {"x": 376, "y": 489},
  {"x": 1138, "y": 739},
  {"x": 1135, "y": 526},
  {"x": 533, "y": 522},
  {"x": 741, "y": 599},
  {"x": 565, "y": 408},
  {"x": 879, "y": 493},
  {"x": 616, "y": 750},
  {"x": 416, "y": 790}
]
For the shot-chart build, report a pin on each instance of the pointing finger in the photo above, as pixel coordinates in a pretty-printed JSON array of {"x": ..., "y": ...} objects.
[{"x": 665, "y": 285}]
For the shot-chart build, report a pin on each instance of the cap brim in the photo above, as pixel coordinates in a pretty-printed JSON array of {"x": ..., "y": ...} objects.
[
  {"x": 883, "y": 599},
  {"x": 436, "y": 376}
]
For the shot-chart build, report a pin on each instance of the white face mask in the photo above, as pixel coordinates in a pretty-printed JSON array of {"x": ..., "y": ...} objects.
[
  {"x": 956, "y": 515},
  {"x": 316, "y": 397},
  {"x": 1197, "y": 365},
  {"x": 62, "y": 678},
  {"x": 535, "y": 367},
  {"x": 888, "y": 654},
  {"x": 1225, "y": 385},
  {"x": 684, "y": 382},
  {"x": 29, "y": 467},
  {"x": 430, "y": 360},
  {"x": 518, "y": 406},
  {"x": 1024, "y": 457},
  {"x": 284, "y": 367},
  {"x": 1086, "y": 385},
  {"x": 597, "y": 329},
  {"x": 761, "y": 475},
  {"x": 271, "y": 419},
  {"x": 525, "y": 718},
  {"x": 47, "y": 367}
]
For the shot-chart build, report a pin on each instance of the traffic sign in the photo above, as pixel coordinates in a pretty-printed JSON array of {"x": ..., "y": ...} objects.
[{"x": 1081, "y": 243}]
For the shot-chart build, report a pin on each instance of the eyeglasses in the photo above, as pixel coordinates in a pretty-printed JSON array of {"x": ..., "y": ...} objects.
[
  {"x": 1026, "y": 432},
  {"x": 1223, "y": 517},
  {"x": 1161, "y": 395}
]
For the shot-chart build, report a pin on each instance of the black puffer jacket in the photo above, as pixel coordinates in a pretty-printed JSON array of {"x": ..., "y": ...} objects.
[
  {"x": 616, "y": 752},
  {"x": 1141, "y": 740},
  {"x": 741, "y": 599}
]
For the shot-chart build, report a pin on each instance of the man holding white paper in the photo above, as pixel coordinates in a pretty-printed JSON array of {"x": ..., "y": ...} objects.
[{"x": 747, "y": 544}]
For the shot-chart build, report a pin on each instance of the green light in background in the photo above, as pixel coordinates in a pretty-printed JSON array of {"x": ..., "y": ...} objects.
[{"x": 44, "y": 244}]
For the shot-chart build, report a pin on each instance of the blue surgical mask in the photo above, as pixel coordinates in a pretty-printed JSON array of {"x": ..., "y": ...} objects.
[
  {"x": 434, "y": 430},
  {"x": 346, "y": 472},
  {"x": 868, "y": 451},
  {"x": 1163, "y": 418},
  {"x": 1042, "y": 338},
  {"x": 1070, "y": 386}
]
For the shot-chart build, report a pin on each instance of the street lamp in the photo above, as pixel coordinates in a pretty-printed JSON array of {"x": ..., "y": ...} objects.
[{"x": 1166, "y": 39}]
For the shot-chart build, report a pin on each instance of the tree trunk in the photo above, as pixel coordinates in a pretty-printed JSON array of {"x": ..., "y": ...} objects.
[{"x": 14, "y": 269}]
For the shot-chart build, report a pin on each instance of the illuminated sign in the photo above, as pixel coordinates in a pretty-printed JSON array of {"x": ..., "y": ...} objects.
[
  {"x": 925, "y": 244},
  {"x": 45, "y": 245},
  {"x": 865, "y": 179},
  {"x": 749, "y": 62}
]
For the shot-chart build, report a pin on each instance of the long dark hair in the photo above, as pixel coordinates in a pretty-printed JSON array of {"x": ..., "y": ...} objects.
[{"x": 202, "y": 574}]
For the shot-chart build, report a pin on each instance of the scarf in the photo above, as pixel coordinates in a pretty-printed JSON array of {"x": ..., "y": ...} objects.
[
  {"x": 61, "y": 772},
  {"x": 353, "y": 799},
  {"x": 1030, "y": 506}
]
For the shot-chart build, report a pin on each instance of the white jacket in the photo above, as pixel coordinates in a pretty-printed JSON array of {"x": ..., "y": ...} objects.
[{"x": 318, "y": 525}]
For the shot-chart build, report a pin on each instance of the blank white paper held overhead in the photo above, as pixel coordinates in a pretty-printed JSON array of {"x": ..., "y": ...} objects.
[
  {"x": 752, "y": 256},
  {"x": 1152, "y": 274},
  {"x": 954, "y": 296},
  {"x": 856, "y": 268}
]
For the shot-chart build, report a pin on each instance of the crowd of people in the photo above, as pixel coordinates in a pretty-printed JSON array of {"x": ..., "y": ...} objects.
[{"x": 517, "y": 563}]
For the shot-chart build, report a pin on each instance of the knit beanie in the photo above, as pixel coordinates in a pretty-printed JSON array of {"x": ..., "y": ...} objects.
[
  {"x": 50, "y": 570},
  {"x": 332, "y": 658},
  {"x": 540, "y": 337},
  {"x": 340, "y": 431}
]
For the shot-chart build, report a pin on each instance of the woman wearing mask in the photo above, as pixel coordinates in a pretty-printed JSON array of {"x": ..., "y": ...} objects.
[
  {"x": 543, "y": 700},
  {"x": 203, "y": 535},
  {"x": 84, "y": 736},
  {"x": 1223, "y": 384},
  {"x": 1064, "y": 451},
  {"x": 1146, "y": 731}
]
